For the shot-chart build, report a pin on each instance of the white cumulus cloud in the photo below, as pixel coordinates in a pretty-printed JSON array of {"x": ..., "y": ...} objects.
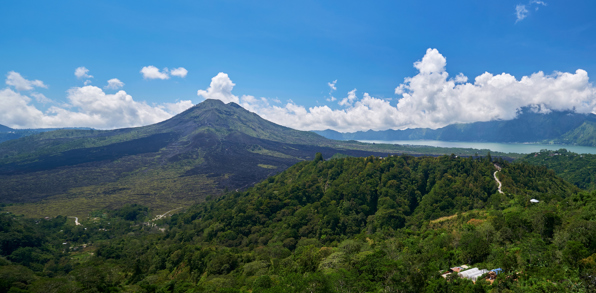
[
  {"x": 152, "y": 72},
  {"x": 114, "y": 84},
  {"x": 22, "y": 84},
  {"x": 87, "y": 106},
  {"x": 429, "y": 99},
  {"x": 180, "y": 72},
  {"x": 41, "y": 98},
  {"x": 178, "y": 107},
  {"x": 16, "y": 110},
  {"x": 82, "y": 72},
  {"x": 220, "y": 89},
  {"x": 347, "y": 101}
]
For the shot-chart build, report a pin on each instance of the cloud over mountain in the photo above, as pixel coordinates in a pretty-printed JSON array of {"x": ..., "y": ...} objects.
[
  {"x": 429, "y": 99},
  {"x": 220, "y": 88},
  {"x": 87, "y": 106}
]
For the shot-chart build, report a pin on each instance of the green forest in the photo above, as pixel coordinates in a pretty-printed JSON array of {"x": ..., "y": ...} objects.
[
  {"x": 579, "y": 169},
  {"x": 345, "y": 224}
]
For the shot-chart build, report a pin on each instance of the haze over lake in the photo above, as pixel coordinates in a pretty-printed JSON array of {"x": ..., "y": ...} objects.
[{"x": 521, "y": 148}]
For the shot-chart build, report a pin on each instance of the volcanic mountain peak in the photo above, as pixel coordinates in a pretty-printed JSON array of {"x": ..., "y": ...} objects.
[
  {"x": 202, "y": 151},
  {"x": 224, "y": 119},
  {"x": 212, "y": 116}
]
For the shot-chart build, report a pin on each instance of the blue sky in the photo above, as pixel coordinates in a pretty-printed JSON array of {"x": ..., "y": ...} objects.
[{"x": 280, "y": 50}]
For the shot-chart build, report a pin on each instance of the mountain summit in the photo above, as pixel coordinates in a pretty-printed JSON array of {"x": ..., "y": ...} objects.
[
  {"x": 202, "y": 151},
  {"x": 227, "y": 118}
]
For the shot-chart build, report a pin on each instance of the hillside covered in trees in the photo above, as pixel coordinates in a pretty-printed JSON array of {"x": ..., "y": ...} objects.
[
  {"x": 578, "y": 169},
  {"x": 342, "y": 225}
]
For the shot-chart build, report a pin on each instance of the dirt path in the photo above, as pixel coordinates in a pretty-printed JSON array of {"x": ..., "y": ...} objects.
[
  {"x": 158, "y": 217},
  {"x": 497, "y": 179},
  {"x": 76, "y": 221}
]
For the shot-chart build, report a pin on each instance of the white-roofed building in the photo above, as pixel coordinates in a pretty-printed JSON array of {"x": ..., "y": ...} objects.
[
  {"x": 472, "y": 274},
  {"x": 475, "y": 277}
]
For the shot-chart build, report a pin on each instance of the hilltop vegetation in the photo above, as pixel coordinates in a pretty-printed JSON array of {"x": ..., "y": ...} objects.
[
  {"x": 578, "y": 169},
  {"x": 342, "y": 225}
]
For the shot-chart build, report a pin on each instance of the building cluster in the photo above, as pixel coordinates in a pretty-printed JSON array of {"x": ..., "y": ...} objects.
[{"x": 472, "y": 274}]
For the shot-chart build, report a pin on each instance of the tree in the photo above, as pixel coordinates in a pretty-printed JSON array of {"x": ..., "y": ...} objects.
[{"x": 475, "y": 247}]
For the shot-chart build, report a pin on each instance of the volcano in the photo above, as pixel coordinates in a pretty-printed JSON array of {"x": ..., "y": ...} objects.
[{"x": 203, "y": 151}]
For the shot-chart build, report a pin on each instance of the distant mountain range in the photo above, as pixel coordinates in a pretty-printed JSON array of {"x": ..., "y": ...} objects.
[
  {"x": 560, "y": 127},
  {"x": 7, "y": 133},
  {"x": 5, "y": 129}
]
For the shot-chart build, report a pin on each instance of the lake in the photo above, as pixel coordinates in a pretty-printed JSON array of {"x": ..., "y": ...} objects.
[{"x": 520, "y": 148}]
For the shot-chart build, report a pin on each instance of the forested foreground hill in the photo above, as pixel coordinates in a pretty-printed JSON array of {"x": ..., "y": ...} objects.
[
  {"x": 579, "y": 169},
  {"x": 341, "y": 225}
]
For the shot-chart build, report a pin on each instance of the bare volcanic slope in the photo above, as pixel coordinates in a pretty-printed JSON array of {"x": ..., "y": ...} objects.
[{"x": 203, "y": 151}]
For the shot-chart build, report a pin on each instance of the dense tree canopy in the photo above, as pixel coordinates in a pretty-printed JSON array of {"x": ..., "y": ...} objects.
[
  {"x": 575, "y": 168},
  {"x": 343, "y": 225}
]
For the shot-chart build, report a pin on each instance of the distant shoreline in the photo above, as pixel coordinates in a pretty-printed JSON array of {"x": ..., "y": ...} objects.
[{"x": 520, "y": 148}]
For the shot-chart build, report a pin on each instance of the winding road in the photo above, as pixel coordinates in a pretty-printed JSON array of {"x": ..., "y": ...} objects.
[
  {"x": 163, "y": 215},
  {"x": 76, "y": 220},
  {"x": 497, "y": 179}
]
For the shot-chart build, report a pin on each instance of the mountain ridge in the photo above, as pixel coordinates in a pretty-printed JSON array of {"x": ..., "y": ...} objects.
[
  {"x": 201, "y": 152},
  {"x": 555, "y": 127},
  {"x": 5, "y": 128}
]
